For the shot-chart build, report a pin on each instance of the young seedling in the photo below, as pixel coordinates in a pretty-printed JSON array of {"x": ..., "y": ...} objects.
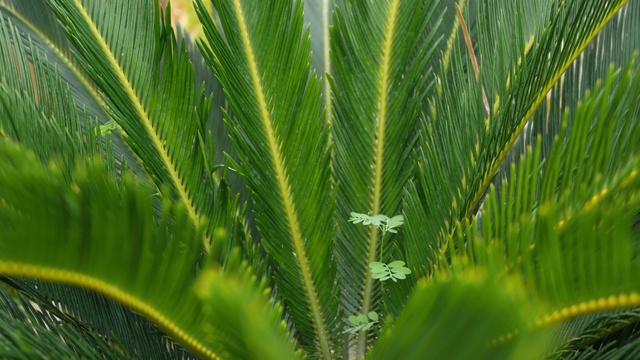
[
  {"x": 379, "y": 270},
  {"x": 394, "y": 271},
  {"x": 361, "y": 322},
  {"x": 383, "y": 222}
]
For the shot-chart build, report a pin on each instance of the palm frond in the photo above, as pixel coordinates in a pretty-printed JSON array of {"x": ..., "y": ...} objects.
[
  {"x": 615, "y": 350},
  {"x": 242, "y": 311},
  {"x": 106, "y": 236},
  {"x": 380, "y": 52},
  {"x": 149, "y": 90},
  {"x": 39, "y": 32},
  {"x": 45, "y": 35},
  {"x": 564, "y": 227},
  {"x": 284, "y": 152},
  {"x": 615, "y": 331},
  {"x": 39, "y": 111},
  {"x": 34, "y": 102},
  {"x": 588, "y": 69},
  {"x": 554, "y": 49},
  {"x": 66, "y": 214},
  {"x": 28, "y": 332},
  {"x": 522, "y": 57},
  {"x": 443, "y": 311},
  {"x": 84, "y": 309}
]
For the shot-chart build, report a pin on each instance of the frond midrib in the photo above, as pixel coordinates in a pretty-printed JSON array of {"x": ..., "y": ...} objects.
[
  {"x": 378, "y": 161},
  {"x": 591, "y": 306},
  {"x": 146, "y": 121},
  {"x": 284, "y": 188},
  {"x": 114, "y": 292},
  {"x": 488, "y": 176},
  {"x": 65, "y": 59}
]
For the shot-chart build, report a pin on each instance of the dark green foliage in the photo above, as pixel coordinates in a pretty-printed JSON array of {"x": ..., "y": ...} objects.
[{"x": 162, "y": 197}]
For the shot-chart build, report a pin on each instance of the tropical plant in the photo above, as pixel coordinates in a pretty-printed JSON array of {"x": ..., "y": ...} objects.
[{"x": 166, "y": 199}]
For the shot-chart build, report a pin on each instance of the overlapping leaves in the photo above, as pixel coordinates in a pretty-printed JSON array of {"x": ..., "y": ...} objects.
[
  {"x": 380, "y": 54},
  {"x": 149, "y": 89},
  {"x": 261, "y": 55}
]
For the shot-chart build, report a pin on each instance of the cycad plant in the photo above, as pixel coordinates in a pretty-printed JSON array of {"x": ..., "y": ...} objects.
[{"x": 389, "y": 179}]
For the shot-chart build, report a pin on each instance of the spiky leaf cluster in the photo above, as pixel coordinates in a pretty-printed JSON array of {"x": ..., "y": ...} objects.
[{"x": 223, "y": 198}]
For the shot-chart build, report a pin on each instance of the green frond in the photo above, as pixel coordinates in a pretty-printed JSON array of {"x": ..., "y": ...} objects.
[
  {"x": 118, "y": 261},
  {"x": 564, "y": 227},
  {"x": 90, "y": 311},
  {"x": 45, "y": 35},
  {"x": 522, "y": 56},
  {"x": 262, "y": 63},
  {"x": 243, "y": 312},
  {"x": 590, "y": 67},
  {"x": 106, "y": 236},
  {"x": 380, "y": 52},
  {"x": 474, "y": 307},
  {"x": 149, "y": 90},
  {"x": 616, "y": 349},
  {"x": 573, "y": 26},
  {"x": 39, "y": 110},
  {"x": 28, "y": 332},
  {"x": 616, "y": 331},
  {"x": 46, "y": 45}
]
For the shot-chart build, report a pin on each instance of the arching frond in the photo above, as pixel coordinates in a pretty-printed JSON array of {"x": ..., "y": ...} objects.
[
  {"x": 106, "y": 237},
  {"x": 89, "y": 311},
  {"x": 263, "y": 64},
  {"x": 39, "y": 111},
  {"x": 149, "y": 89},
  {"x": 442, "y": 312},
  {"x": 616, "y": 331},
  {"x": 380, "y": 52},
  {"x": 558, "y": 241},
  {"x": 621, "y": 34},
  {"x": 522, "y": 56},
  {"x": 32, "y": 332},
  {"x": 564, "y": 228},
  {"x": 39, "y": 32}
]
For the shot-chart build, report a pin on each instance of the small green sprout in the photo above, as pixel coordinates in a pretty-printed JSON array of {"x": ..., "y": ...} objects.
[
  {"x": 379, "y": 270},
  {"x": 394, "y": 271},
  {"x": 361, "y": 322},
  {"x": 383, "y": 222}
]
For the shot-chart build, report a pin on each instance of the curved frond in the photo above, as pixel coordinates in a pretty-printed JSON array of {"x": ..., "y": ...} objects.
[
  {"x": 263, "y": 63},
  {"x": 39, "y": 32},
  {"x": 28, "y": 332},
  {"x": 45, "y": 35},
  {"x": 473, "y": 307},
  {"x": 39, "y": 111},
  {"x": 565, "y": 226},
  {"x": 149, "y": 90},
  {"x": 522, "y": 56},
  {"x": 34, "y": 102},
  {"x": 380, "y": 52},
  {"x": 105, "y": 236},
  {"x": 84, "y": 309},
  {"x": 610, "y": 336},
  {"x": 243, "y": 312}
]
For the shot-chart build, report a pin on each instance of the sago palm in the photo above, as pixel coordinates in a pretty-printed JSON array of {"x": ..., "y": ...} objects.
[{"x": 390, "y": 179}]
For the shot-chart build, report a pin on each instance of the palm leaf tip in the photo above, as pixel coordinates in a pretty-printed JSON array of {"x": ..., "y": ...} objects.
[{"x": 238, "y": 302}]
